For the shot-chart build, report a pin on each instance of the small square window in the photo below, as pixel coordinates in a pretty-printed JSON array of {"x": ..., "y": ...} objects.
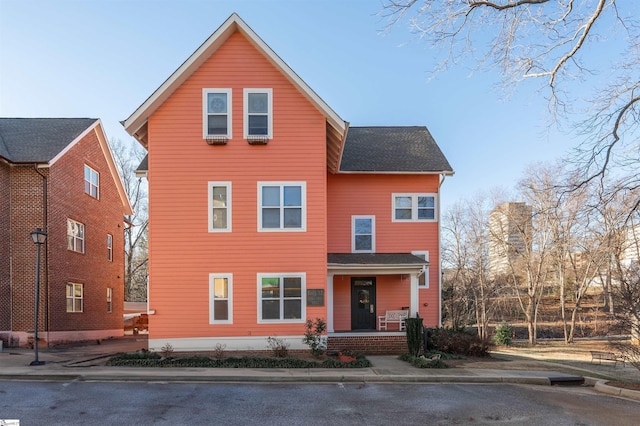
[
  {"x": 281, "y": 297},
  {"x": 281, "y": 206}
]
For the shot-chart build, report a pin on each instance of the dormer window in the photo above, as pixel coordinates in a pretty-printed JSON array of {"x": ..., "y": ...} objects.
[
  {"x": 216, "y": 113},
  {"x": 258, "y": 115}
]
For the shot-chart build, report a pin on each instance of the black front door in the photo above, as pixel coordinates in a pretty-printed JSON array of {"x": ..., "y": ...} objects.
[{"x": 363, "y": 303}]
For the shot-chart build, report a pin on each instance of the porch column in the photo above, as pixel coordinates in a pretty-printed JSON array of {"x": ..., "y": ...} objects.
[
  {"x": 413, "y": 301},
  {"x": 330, "y": 303}
]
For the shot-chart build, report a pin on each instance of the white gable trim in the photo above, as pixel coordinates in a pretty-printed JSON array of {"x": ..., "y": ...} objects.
[
  {"x": 108, "y": 155},
  {"x": 234, "y": 23}
]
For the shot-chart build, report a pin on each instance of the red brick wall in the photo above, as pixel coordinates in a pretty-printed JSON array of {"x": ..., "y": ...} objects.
[
  {"x": 5, "y": 225},
  {"x": 369, "y": 345},
  {"x": 100, "y": 217},
  {"x": 26, "y": 200}
]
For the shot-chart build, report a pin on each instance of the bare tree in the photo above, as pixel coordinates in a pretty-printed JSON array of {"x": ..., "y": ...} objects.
[
  {"x": 470, "y": 291},
  {"x": 128, "y": 156},
  {"x": 584, "y": 53}
]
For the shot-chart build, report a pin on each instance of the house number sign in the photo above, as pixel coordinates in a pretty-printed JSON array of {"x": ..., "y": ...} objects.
[{"x": 315, "y": 297}]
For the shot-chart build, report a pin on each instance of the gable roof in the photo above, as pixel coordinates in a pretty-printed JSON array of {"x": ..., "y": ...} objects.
[
  {"x": 136, "y": 124},
  {"x": 45, "y": 140},
  {"x": 39, "y": 140},
  {"x": 396, "y": 149}
]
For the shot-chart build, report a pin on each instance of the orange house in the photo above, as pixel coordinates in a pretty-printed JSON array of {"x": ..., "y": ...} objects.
[{"x": 266, "y": 209}]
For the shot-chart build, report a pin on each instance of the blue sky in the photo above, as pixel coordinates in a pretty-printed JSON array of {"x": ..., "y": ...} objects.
[{"x": 103, "y": 58}]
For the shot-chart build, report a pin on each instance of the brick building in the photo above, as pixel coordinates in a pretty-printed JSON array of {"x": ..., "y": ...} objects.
[{"x": 58, "y": 174}]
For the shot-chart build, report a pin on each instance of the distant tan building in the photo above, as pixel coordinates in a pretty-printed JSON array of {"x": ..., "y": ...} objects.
[{"x": 509, "y": 235}]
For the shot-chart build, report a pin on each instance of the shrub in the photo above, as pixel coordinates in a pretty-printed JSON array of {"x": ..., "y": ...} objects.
[
  {"x": 423, "y": 361},
  {"x": 502, "y": 335},
  {"x": 218, "y": 350},
  {"x": 166, "y": 350},
  {"x": 414, "y": 335},
  {"x": 278, "y": 346},
  {"x": 313, "y": 336},
  {"x": 456, "y": 341}
]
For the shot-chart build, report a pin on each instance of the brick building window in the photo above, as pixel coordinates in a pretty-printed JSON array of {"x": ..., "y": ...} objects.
[
  {"x": 109, "y": 299},
  {"x": 75, "y": 297},
  {"x": 91, "y": 181},
  {"x": 110, "y": 247},
  {"x": 75, "y": 236}
]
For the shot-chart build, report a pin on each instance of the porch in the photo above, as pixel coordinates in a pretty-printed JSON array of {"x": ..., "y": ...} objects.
[{"x": 363, "y": 286}]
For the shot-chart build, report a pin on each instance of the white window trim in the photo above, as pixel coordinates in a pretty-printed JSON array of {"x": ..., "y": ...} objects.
[
  {"x": 424, "y": 253},
  {"x": 109, "y": 300},
  {"x": 84, "y": 237},
  {"x": 303, "y": 297},
  {"x": 74, "y": 298},
  {"x": 229, "y": 299},
  {"x": 91, "y": 184},
  {"x": 414, "y": 206},
  {"x": 110, "y": 247},
  {"x": 205, "y": 113},
  {"x": 353, "y": 233},
  {"x": 303, "y": 214},
  {"x": 269, "y": 92},
  {"x": 212, "y": 185}
]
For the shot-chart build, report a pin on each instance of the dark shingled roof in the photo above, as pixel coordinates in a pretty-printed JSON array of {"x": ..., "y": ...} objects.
[
  {"x": 144, "y": 165},
  {"x": 392, "y": 149},
  {"x": 374, "y": 259},
  {"x": 38, "y": 140}
]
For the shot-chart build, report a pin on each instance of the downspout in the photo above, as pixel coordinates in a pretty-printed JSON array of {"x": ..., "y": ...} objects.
[
  {"x": 45, "y": 226},
  {"x": 440, "y": 253}
]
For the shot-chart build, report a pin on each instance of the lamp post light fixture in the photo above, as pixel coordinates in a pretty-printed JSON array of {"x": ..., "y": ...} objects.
[{"x": 39, "y": 237}]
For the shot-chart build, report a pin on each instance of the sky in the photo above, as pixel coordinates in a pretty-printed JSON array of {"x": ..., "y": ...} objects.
[{"x": 103, "y": 58}]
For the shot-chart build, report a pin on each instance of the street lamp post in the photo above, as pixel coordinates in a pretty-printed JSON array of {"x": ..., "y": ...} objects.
[{"x": 39, "y": 237}]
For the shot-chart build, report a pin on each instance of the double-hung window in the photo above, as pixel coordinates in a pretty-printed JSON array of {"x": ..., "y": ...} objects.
[
  {"x": 363, "y": 230},
  {"x": 258, "y": 113},
  {"x": 219, "y": 206},
  {"x": 414, "y": 208},
  {"x": 75, "y": 236},
  {"x": 281, "y": 297},
  {"x": 75, "y": 297},
  {"x": 109, "y": 247},
  {"x": 216, "y": 113},
  {"x": 91, "y": 182},
  {"x": 220, "y": 297},
  {"x": 281, "y": 206},
  {"x": 423, "y": 280},
  {"x": 109, "y": 299}
]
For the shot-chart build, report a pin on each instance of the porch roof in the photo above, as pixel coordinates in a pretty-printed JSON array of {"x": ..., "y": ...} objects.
[{"x": 380, "y": 263}]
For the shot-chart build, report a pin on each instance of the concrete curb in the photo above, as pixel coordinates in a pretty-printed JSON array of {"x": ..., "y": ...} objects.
[
  {"x": 601, "y": 386},
  {"x": 292, "y": 378}
]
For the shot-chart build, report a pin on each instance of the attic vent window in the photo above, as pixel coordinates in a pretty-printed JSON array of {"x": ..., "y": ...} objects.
[
  {"x": 217, "y": 140},
  {"x": 257, "y": 140}
]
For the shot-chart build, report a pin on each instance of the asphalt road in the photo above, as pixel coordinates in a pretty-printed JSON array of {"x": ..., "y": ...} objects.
[{"x": 139, "y": 403}]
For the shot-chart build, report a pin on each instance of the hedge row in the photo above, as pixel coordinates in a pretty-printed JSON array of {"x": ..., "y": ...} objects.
[{"x": 155, "y": 360}]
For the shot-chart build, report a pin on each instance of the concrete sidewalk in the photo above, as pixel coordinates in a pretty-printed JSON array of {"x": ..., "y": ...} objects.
[{"x": 86, "y": 363}]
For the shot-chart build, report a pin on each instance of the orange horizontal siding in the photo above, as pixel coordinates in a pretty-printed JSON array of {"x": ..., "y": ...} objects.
[{"x": 182, "y": 251}]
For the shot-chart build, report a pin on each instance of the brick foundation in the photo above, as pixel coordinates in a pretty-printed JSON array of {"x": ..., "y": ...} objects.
[{"x": 378, "y": 344}]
